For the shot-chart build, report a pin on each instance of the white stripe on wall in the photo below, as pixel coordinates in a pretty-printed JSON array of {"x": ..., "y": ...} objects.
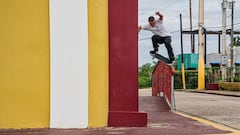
[{"x": 69, "y": 63}]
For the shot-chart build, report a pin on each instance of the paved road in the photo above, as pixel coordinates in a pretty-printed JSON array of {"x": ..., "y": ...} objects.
[{"x": 218, "y": 108}]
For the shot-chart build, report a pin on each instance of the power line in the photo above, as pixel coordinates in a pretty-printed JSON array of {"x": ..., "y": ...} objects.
[
  {"x": 220, "y": 26},
  {"x": 171, "y": 4},
  {"x": 144, "y": 38},
  {"x": 172, "y": 32},
  {"x": 151, "y": 37},
  {"x": 175, "y": 31}
]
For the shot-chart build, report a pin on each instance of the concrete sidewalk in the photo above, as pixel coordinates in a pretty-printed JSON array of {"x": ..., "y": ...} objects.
[
  {"x": 217, "y": 108},
  {"x": 161, "y": 121}
]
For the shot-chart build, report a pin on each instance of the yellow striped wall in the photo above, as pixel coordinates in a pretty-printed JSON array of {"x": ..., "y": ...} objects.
[
  {"x": 74, "y": 63},
  {"x": 98, "y": 62},
  {"x": 24, "y": 64},
  {"x": 54, "y": 63}
]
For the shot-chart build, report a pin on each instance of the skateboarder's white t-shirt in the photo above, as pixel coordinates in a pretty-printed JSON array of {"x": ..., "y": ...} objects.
[{"x": 158, "y": 29}]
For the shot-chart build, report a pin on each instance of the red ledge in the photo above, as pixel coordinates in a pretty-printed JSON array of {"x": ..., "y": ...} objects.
[
  {"x": 212, "y": 86},
  {"x": 127, "y": 119}
]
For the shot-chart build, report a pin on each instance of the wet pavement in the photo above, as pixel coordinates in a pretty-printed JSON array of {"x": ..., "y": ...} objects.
[{"x": 161, "y": 121}]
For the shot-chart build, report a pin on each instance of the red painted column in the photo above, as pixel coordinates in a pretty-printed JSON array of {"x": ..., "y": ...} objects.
[{"x": 123, "y": 64}]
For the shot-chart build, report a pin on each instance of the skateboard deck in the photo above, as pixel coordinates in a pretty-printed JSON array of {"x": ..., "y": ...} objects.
[{"x": 160, "y": 57}]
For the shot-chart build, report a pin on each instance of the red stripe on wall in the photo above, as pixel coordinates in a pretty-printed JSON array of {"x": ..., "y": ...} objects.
[{"x": 123, "y": 63}]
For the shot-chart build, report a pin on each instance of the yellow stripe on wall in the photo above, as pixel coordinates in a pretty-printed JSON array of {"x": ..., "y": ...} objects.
[
  {"x": 24, "y": 64},
  {"x": 98, "y": 62}
]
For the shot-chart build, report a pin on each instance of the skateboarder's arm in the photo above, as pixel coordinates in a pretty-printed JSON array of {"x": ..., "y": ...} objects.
[
  {"x": 160, "y": 15},
  {"x": 139, "y": 28},
  {"x": 147, "y": 27}
]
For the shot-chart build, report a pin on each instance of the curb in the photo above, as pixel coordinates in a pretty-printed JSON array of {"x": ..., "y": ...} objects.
[
  {"x": 223, "y": 94},
  {"x": 209, "y": 92}
]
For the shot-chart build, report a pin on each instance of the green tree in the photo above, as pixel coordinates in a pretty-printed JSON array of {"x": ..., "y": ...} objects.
[{"x": 145, "y": 74}]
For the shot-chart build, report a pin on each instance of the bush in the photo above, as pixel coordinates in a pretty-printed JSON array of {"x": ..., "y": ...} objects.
[
  {"x": 237, "y": 79},
  {"x": 234, "y": 86},
  {"x": 178, "y": 80},
  {"x": 191, "y": 79},
  {"x": 145, "y": 74},
  {"x": 144, "y": 82},
  {"x": 192, "y": 82}
]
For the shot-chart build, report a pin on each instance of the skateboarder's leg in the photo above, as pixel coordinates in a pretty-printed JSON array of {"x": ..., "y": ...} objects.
[
  {"x": 168, "y": 45},
  {"x": 156, "y": 39}
]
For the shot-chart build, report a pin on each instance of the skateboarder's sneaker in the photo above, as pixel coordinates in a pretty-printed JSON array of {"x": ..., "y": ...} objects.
[
  {"x": 153, "y": 52},
  {"x": 171, "y": 64},
  {"x": 172, "y": 60}
]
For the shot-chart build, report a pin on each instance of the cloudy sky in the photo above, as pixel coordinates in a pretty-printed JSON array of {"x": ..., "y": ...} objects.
[{"x": 171, "y": 10}]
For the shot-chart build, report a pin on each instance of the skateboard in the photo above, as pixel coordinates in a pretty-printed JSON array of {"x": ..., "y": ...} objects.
[{"x": 160, "y": 57}]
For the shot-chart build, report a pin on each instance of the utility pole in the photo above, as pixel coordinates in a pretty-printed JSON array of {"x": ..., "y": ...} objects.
[
  {"x": 183, "y": 71},
  {"x": 191, "y": 35},
  {"x": 224, "y": 52},
  {"x": 232, "y": 40},
  {"x": 224, "y": 14},
  {"x": 201, "y": 75}
]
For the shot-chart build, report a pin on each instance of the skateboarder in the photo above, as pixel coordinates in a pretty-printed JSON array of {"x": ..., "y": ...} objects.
[{"x": 160, "y": 34}]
